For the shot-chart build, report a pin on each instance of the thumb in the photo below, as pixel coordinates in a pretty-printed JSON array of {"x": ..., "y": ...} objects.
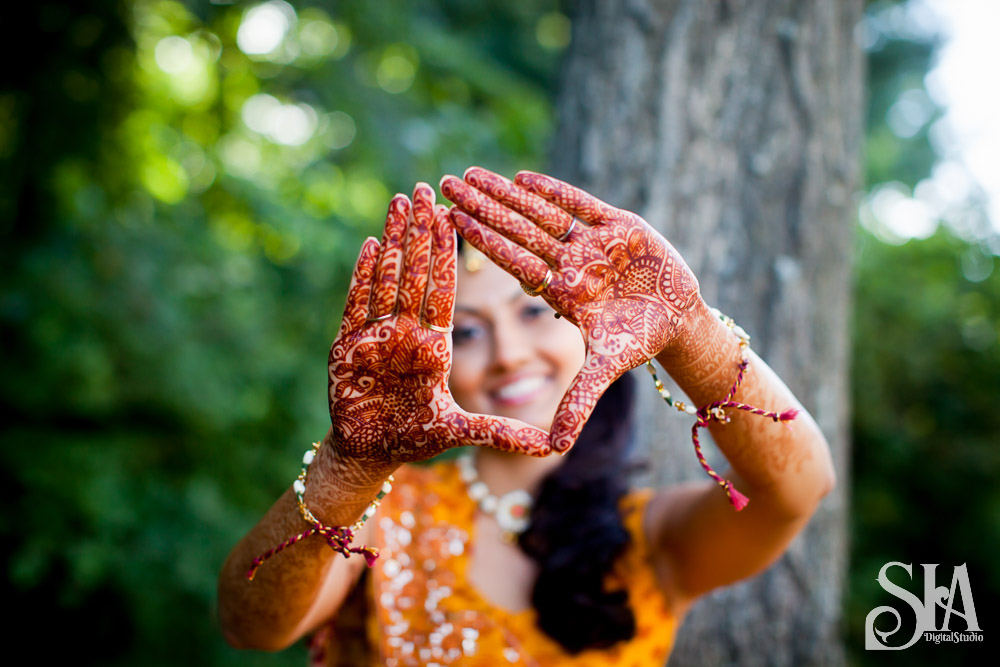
[
  {"x": 577, "y": 404},
  {"x": 458, "y": 428}
]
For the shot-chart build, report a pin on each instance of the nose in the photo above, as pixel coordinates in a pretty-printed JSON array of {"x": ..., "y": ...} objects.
[{"x": 511, "y": 345}]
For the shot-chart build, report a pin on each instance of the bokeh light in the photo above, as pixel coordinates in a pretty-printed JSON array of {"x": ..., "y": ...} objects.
[
  {"x": 553, "y": 31},
  {"x": 339, "y": 130},
  {"x": 397, "y": 68},
  {"x": 174, "y": 54},
  {"x": 288, "y": 124},
  {"x": 264, "y": 28}
]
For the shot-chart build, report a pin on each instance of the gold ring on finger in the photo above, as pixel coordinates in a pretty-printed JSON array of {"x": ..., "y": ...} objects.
[
  {"x": 536, "y": 291},
  {"x": 565, "y": 237},
  {"x": 434, "y": 327},
  {"x": 381, "y": 317}
]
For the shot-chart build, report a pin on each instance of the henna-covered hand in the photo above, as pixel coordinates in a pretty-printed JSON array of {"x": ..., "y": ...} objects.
[
  {"x": 612, "y": 274},
  {"x": 389, "y": 366}
]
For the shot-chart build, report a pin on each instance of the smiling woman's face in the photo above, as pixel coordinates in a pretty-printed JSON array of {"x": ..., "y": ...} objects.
[{"x": 512, "y": 357}]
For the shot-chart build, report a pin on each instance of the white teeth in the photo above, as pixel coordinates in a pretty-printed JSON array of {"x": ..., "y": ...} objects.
[{"x": 519, "y": 388}]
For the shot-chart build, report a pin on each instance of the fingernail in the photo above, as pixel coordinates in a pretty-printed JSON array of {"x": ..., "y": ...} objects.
[
  {"x": 400, "y": 206},
  {"x": 446, "y": 184}
]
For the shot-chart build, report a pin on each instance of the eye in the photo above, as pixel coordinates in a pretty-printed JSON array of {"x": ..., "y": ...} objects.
[
  {"x": 534, "y": 310},
  {"x": 465, "y": 333}
]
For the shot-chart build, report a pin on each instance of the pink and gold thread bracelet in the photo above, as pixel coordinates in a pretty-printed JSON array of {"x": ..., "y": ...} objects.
[
  {"x": 338, "y": 537},
  {"x": 715, "y": 411}
]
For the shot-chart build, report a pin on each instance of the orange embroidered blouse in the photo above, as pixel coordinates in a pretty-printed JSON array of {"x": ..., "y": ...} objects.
[{"x": 427, "y": 613}]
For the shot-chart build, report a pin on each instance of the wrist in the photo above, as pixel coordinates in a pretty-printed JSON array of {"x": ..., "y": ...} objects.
[
  {"x": 339, "y": 492},
  {"x": 704, "y": 357},
  {"x": 697, "y": 332},
  {"x": 339, "y": 488}
]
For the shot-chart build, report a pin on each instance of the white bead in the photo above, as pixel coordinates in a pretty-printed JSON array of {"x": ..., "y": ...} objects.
[
  {"x": 308, "y": 457},
  {"x": 386, "y": 487},
  {"x": 299, "y": 487},
  {"x": 489, "y": 504},
  {"x": 691, "y": 410},
  {"x": 741, "y": 332},
  {"x": 478, "y": 491},
  {"x": 370, "y": 512}
]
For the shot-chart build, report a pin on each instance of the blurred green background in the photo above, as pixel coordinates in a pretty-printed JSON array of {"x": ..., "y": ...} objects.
[{"x": 184, "y": 189}]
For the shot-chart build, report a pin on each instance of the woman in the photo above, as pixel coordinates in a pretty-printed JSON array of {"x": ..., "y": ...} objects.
[{"x": 600, "y": 576}]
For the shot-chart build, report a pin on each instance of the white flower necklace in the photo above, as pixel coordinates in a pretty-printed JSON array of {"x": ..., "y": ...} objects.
[{"x": 512, "y": 510}]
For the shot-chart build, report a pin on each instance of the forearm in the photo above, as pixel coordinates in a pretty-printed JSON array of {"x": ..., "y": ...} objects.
[
  {"x": 298, "y": 587},
  {"x": 786, "y": 465}
]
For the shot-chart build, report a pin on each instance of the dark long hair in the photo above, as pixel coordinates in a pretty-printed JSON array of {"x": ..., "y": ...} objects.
[{"x": 577, "y": 533}]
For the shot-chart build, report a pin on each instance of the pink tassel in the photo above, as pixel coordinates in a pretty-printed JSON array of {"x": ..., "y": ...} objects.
[
  {"x": 788, "y": 415},
  {"x": 370, "y": 554},
  {"x": 736, "y": 499}
]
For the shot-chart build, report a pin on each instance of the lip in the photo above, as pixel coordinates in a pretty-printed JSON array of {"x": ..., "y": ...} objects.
[{"x": 520, "y": 390}]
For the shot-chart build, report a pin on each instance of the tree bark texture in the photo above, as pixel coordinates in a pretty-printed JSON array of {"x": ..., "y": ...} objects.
[{"x": 734, "y": 127}]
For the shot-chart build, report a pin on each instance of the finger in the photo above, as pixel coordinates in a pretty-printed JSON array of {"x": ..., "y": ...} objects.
[
  {"x": 385, "y": 287},
  {"x": 552, "y": 219},
  {"x": 416, "y": 252},
  {"x": 439, "y": 305},
  {"x": 356, "y": 308},
  {"x": 570, "y": 198},
  {"x": 578, "y": 402},
  {"x": 458, "y": 427},
  {"x": 510, "y": 257},
  {"x": 508, "y": 222}
]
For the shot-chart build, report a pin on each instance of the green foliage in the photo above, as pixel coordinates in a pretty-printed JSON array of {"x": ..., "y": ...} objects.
[
  {"x": 896, "y": 66},
  {"x": 182, "y": 221},
  {"x": 926, "y": 366}
]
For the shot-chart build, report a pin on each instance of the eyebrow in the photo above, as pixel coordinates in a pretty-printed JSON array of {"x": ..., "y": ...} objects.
[{"x": 515, "y": 295}]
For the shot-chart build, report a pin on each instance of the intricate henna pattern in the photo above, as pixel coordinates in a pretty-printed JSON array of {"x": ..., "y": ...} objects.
[
  {"x": 619, "y": 280},
  {"x": 389, "y": 397},
  {"x": 384, "y": 288},
  {"x": 440, "y": 301}
]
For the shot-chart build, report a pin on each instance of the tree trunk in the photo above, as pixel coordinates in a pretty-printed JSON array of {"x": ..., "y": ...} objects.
[{"x": 734, "y": 127}]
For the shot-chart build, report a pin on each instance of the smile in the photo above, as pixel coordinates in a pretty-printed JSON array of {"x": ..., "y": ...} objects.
[{"x": 520, "y": 391}]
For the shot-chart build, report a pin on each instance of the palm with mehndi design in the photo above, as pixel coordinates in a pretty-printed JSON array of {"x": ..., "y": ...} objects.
[
  {"x": 613, "y": 275},
  {"x": 389, "y": 366}
]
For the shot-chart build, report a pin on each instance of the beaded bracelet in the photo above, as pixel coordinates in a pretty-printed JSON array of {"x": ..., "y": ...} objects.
[
  {"x": 715, "y": 411},
  {"x": 338, "y": 537}
]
